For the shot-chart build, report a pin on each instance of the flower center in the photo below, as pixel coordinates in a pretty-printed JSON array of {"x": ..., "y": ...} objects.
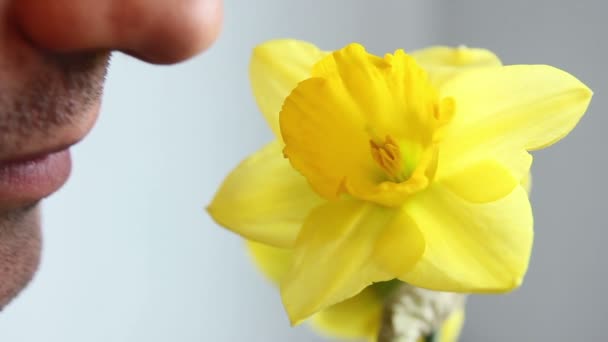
[{"x": 388, "y": 156}]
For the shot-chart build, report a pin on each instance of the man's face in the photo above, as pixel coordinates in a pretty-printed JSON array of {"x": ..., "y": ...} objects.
[{"x": 53, "y": 61}]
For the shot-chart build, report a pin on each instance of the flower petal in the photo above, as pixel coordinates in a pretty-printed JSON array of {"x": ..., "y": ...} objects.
[
  {"x": 276, "y": 68},
  {"x": 471, "y": 247},
  {"x": 355, "y": 318},
  {"x": 443, "y": 62},
  {"x": 485, "y": 181},
  {"x": 336, "y": 255},
  {"x": 450, "y": 330},
  {"x": 526, "y": 182},
  {"x": 273, "y": 262},
  {"x": 264, "y": 199},
  {"x": 503, "y": 112}
]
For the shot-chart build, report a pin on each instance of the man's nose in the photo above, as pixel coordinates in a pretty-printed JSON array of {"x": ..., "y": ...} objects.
[{"x": 158, "y": 31}]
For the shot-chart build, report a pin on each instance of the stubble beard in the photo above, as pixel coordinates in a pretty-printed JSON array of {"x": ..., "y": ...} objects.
[
  {"x": 44, "y": 100},
  {"x": 20, "y": 247}
]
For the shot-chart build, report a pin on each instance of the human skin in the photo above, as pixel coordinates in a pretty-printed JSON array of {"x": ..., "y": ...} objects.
[{"x": 53, "y": 61}]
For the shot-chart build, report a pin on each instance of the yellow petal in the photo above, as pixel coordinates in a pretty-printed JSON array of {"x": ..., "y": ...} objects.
[
  {"x": 450, "y": 330},
  {"x": 471, "y": 247},
  {"x": 264, "y": 199},
  {"x": 336, "y": 255},
  {"x": 355, "y": 318},
  {"x": 276, "y": 68},
  {"x": 273, "y": 262},
  {"x": 398, "y": 245},
  {"x": 485, "y": 181},
  {"x": 358, "y": 317},
  {"x": 526, "y": 182},
  {"x": 443, "y": 63},
  {"x": 503, "y": 112}
]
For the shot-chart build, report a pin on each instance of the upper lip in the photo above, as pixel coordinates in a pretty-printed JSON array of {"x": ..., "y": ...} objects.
[{"x": 36, "y": 154}]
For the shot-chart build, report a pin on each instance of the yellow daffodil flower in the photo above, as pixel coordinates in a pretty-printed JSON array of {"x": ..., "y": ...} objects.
[{"x": 401, "y": 167}]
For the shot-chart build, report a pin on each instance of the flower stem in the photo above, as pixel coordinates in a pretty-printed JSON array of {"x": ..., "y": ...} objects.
[{"x": 411, "y": 313}]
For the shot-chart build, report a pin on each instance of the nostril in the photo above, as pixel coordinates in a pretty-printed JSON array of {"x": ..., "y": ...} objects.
[{"x": 157, "y": 31}]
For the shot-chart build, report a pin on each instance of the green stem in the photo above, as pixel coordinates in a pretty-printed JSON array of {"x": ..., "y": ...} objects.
[{"x": 410, "y": 313}]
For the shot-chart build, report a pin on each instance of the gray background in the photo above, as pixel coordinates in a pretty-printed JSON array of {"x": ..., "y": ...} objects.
[{"x": 131, "y": 256}]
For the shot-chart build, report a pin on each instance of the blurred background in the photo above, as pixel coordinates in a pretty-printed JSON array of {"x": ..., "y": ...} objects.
[{"x": 130, "y": 254}]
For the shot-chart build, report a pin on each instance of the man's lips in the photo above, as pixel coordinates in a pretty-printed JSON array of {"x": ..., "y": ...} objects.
[{"x": 26, "y": 180}]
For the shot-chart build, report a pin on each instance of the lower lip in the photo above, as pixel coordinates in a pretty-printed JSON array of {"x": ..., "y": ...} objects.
[{"x": 25, "y": 182}]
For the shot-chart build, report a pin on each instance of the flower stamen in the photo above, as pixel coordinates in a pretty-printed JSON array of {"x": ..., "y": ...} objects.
[{"x": 388, "y": 156}]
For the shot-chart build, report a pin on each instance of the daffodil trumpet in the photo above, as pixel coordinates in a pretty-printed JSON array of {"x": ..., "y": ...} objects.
[{"x": 403, "y": 167}]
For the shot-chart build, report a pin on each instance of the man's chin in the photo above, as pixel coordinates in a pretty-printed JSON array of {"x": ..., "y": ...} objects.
[{"x": 20, "y": 246}]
